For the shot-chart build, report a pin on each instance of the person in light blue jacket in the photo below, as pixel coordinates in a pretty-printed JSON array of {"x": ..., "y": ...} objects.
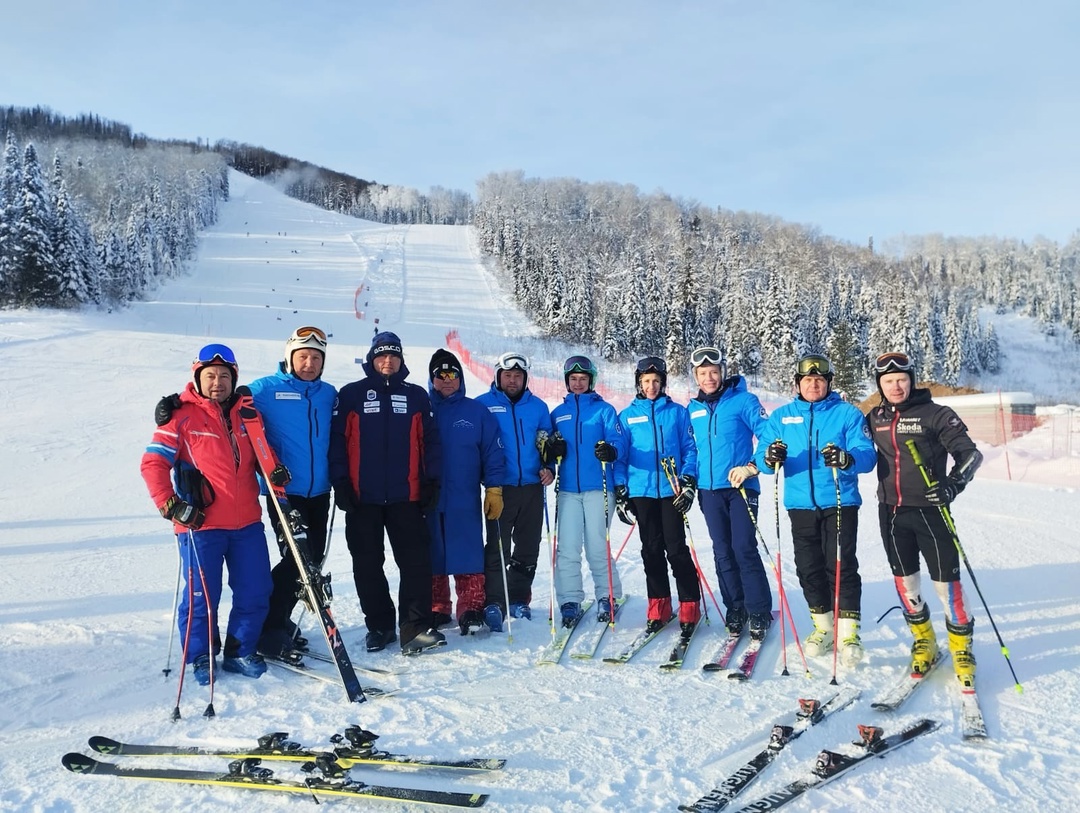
[
  {"x": 585, "y": 503},
  {"x": 524, "y": 426},
  {"x": 726, "y": 418},
  {"x": 655, "y": 484},
  {"x": 296, "y": 405},
  {"x": 823, "y": 445}
]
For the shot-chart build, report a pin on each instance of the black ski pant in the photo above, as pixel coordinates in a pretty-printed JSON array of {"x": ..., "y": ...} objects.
[
  {"x": 518, "y": 532},
  {"x": 314, "y": 511},
  {"x": 404, "y": 524},
  {"x": 814, "y": 534},
  {"x": 909, "y": 531},
  {"x": 663, "y": 536}
]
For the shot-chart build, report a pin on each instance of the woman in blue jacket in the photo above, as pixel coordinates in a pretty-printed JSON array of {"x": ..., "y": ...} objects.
[
  {"x": 659, "y": 437},
  {"x": 823, "y": 445},
  {"x": 726, "y": 418},
  {"x": 593, "y": 438}
]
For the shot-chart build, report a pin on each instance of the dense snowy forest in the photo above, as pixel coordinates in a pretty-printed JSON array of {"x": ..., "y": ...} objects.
[
  {"x": 634, "y": 273},
  {"x": 90, "y": 213}
]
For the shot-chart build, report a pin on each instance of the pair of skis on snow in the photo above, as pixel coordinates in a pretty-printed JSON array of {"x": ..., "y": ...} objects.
[
  {"x": 244, "y": 770},
  {"x": 828, "y": 766}
]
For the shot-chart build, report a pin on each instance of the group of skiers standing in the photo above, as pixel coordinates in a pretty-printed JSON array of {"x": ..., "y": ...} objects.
[{"x": 459, "y": 487}]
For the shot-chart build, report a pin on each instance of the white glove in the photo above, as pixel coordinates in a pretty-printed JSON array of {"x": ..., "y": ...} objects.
[{"x": 740, "y": 474}]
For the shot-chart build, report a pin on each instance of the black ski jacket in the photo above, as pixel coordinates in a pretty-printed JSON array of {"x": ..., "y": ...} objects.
[{"x": 937, "y": 431}]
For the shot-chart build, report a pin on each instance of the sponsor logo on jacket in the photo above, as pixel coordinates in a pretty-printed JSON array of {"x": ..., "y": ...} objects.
[{"x": 287, "y": 396}]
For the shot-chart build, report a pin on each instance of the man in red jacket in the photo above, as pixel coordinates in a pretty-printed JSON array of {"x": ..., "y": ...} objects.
[{"x": 200, "y": 471}]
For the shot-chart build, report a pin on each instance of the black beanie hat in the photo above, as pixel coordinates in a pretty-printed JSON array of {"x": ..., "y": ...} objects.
[{"x": 444, "y": 360}]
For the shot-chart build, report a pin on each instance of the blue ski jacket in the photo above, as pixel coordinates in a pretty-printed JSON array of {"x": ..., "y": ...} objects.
[
  {"x": 655, "y": 430},
  {"x": 725, "y": 425},
  {"x": 472, "y": 454},
  {"x": 583, "y": 420},
  {"x": 297, "y": 416},
  {"x": 807, "y": 428},
  {"x": 518, "y": 424}
]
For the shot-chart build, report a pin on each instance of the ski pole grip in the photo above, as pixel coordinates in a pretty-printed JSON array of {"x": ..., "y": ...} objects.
[{"x": 918, "y": 460}]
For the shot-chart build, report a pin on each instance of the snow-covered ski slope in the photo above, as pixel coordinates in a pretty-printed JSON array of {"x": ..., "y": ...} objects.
[{"x": 88, "y": 569}]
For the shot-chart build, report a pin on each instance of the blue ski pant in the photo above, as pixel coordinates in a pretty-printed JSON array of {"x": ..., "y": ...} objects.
[
  {"x": 739, "y": 569},
  {"x": 203, "y": 555}
]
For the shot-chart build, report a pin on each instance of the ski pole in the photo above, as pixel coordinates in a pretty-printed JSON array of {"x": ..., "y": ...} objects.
[
  {"x": 785, "y": 607},
  {"x": 506, "y": 586},
  {"x": 780, "y": 584},
  {"x": 187, "y": 635},
  {"x": 607, "y": 543},
  {"x": 947, "y": 516},
  {"x": 668, "y": 464},
  {"x": 211, "y": 621},
  {"x": 176, "y": 600},
  {"x": 836, "y": 590},
  {"x": 623, "y": 545}
]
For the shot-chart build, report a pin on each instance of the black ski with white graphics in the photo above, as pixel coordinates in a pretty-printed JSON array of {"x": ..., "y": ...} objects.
[
  {"x": 811, "y": 712},
  {"x": 641, "y": 640},
  {"x": 246, "y": 773},
  {"x": 316, "y": 587},
  {"x": 553, "y": 651},
  {"x": 298, "y": 666},
  {"x": 354, "y": 747},
  {"x": 831, "y": 764},
  {"x": 682, "y": 644}
]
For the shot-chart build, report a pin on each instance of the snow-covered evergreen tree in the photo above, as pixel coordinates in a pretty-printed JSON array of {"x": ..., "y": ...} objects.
[{"x": 37, "y": 282}]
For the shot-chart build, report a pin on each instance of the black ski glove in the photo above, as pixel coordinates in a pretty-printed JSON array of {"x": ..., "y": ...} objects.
[
  {"x": 429, "y": 496},
  {"x": 776, "y": 454},
  {"x": 280, "y": 476},
  {"x": 943, "y": 492},
  {"x": 345, "y": 498},
  {"x": 165, "y": 408},
  {"x": 182, "y": 513},
  {"x": 623, "y": 507},
  {"x": 605, "y": 452},
  {"x": 554, "y": 449},
  {"x": 837, "y": 458},
  {"x": 687, "y": 491}
]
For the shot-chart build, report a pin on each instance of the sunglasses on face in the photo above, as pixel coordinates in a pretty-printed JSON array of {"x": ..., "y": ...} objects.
[{"x": 447, "y": 375}]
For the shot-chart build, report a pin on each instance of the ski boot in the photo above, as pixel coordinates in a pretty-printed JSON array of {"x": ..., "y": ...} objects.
[
  {"x": 758, "y": 624},
  {"x": 962, "y": 657},
  {"x": 851, "y": 648},
  {"x": 820, "y": 641},
  {"x": 571, "y": 612},
  {"x": 924, "y": 650}
]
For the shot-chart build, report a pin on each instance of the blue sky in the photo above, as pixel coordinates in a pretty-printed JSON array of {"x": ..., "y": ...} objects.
[{"x": 959, "y": 117}]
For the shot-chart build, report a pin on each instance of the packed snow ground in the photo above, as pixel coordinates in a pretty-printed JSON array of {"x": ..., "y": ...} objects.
[{"x": 89, "y": 569}]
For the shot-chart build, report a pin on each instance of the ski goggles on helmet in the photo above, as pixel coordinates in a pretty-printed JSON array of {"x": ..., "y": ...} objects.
[
  {"x": 893, "y": 363},
  {"x": 706, "y": 355},
  {"x": 813, "y": 364},
  {"x": 309, "y": 337},
  {"x": 512, "y": 361},
  {"x": 579, "y": 364},
  {"x": 216, "y": 353},
  {"x": 652, "y": 364}
]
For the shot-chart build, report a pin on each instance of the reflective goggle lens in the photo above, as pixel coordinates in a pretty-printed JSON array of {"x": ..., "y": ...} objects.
[
  {"x": 652, "y": 364},
  {"x": 814, "y": 365},
  {"x": 706, "y": 355},
  {"x": 447, "y": 375},
  {"x": 302, "y": 334},
  {"x": 578, "y": 364},
  {"x": 513, "y": 361},
  {"x": 893, "y": 363},
  {"x": 215, "y": 352}
]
